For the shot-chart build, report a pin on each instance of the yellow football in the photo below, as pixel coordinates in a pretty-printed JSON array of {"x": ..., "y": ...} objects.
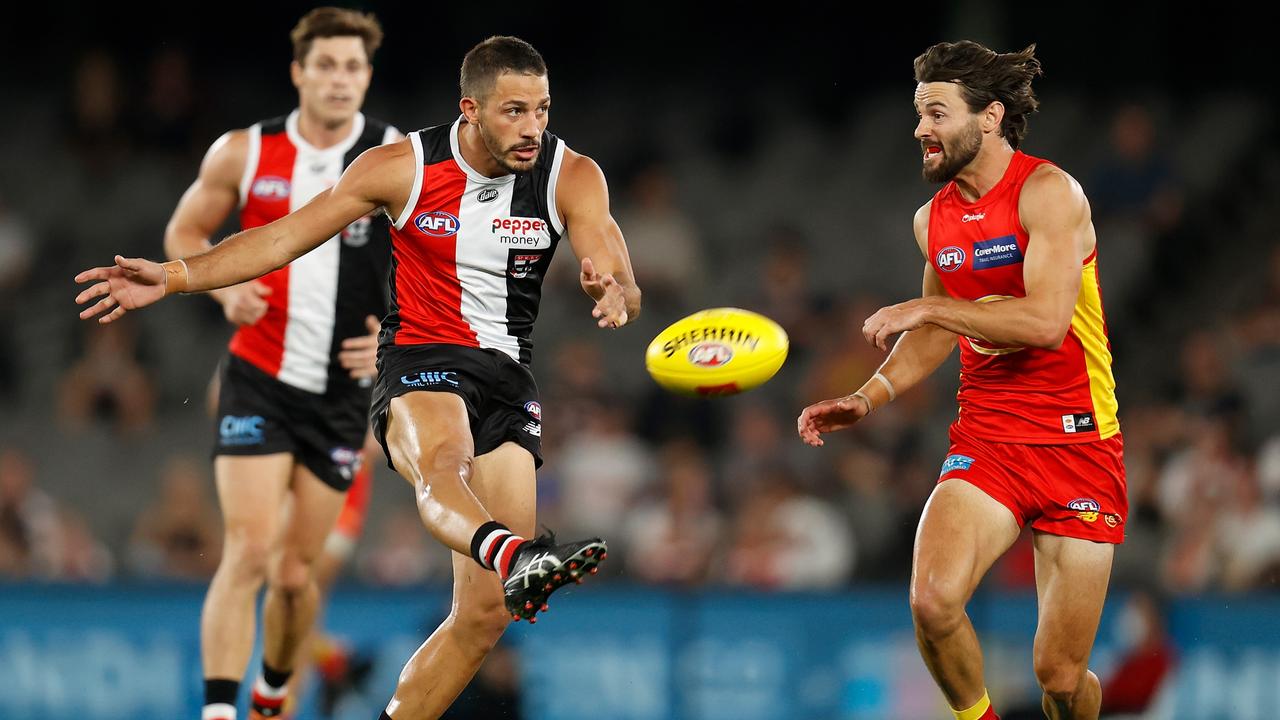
[{"x": 721, "y": 351}]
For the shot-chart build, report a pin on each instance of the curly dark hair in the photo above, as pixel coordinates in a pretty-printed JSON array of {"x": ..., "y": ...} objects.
[{"x": 986, "y": 76}]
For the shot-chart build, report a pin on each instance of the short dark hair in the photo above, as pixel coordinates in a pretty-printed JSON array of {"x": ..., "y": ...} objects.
[
  {"x": 327, "y": 22},
  {"x": 500, "y": 53},
  {"x": 985, "y": 76}
]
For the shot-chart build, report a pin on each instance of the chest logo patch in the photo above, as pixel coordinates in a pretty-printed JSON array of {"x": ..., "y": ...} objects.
[
  {"x": 996, "y": 252},
  {"x": 949, "y": 259}
]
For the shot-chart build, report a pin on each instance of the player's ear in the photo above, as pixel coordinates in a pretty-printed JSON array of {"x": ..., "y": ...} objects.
[
  {"x": 470, "y": 110},
  {"x": 993, "y": 116},
  {"x": 295, "y": 73}
]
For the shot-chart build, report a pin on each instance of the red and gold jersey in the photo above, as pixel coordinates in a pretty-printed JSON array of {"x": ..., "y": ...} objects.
[{"x": 1020, "y": 394}]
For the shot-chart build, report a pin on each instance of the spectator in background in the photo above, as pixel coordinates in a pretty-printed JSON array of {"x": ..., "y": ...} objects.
[
  {"x": 603, "y": 467},
  {"x": 1248, "y": 536},
  {"x": 168, "y": 113},
  {"x": 843, "y": 353},
  {"x": 666, "y": 247},
  {"x": 84, "y": 558},
  {"x": 1205, "y": 385},
  {"x": 1135, "y": 180},
  {"x": 865, "y": 478},
  {"x": 671, "y": 537},
  {"x": 16, "y": 254},
  {"x": 1195, "y": 488},
  {"x": 107, "y": 382},
  {"x": 30, "y": 525},
  {"x": 95, "y": 129},
  {"x": 1257, "y": 333},
  {"x": 784, "y": 291},
  {"x": 785, "y": 539},
  {"x": 403, "y": 555},
  {"x": 1147, "y": 656},
  {"x": 179, "y": 535}
]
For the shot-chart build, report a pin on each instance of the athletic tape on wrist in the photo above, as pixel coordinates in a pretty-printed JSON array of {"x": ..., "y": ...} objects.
[
  {"x": 893, "y": 394},
  {"x": 175, "y": 276},
  {"x": 870, "y": 405}
]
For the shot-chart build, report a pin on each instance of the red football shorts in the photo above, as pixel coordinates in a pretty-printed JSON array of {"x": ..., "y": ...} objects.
[{"x": 1074, "y": 490}]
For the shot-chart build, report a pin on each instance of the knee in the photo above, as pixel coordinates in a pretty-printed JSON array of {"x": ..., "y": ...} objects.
[
  {"x": 245, "y": 553},
  {"x": 292, "y": 575},
  {"x": 1059, "y": 676},
  {"x": 480, "y": 625},
  {"x": 937, "y": 610}
]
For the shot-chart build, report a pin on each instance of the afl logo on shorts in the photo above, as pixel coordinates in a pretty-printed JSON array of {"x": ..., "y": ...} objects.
[
  {"x": 437, "y": 223},
  {"x": 710, "y": 354},
  {"x": 270, "y": 187},
  {"x": 534, "y": 409},
  {"x": 1087, "y": 509},
  {"x": 949, "y": 259}
]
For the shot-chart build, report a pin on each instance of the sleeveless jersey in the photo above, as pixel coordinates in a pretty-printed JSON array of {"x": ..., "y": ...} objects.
[
  {"x": 323, "y": 297},
  {"x": 469, "y": 252},
  {"x": 1020, "y": 394}
]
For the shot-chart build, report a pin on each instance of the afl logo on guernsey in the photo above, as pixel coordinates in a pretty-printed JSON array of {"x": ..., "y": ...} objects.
[
  {"x": 271, "y": 187},
  {"x": 949, "y": 259},
  {"x": 438, "y": 223}
]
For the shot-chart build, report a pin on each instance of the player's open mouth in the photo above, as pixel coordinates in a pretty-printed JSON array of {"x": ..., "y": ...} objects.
[
  {"x": 931, "y": 151},
  {"x": 526, "y": 153}
]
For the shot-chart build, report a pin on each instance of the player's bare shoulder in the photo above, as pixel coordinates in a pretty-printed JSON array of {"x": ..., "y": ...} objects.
[
  {"x": 581, "y": 189},
  {"x": 1050, "y": 190},
  {"x": 224, "y": 162}
]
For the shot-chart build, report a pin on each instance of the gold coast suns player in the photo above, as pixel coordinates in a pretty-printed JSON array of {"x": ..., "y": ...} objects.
[
  {"x": 293, "y": 393},
  {"x": 1011, "y": 275},
  {"x": 479, "y": 206}
]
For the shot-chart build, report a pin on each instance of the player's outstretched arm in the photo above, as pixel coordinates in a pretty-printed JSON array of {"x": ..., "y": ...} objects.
[
  {"x": 381, "y": 177},
  {"x": 583, "y": 198},
  {"x": 914, "y": 357}
]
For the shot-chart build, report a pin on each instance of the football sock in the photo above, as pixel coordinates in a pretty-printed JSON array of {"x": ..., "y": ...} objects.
[
  {"x": 220, "y": 699},
  {"x": 269, "y": 691},
  {"x": 494, "y": 546},
  {"x": 981, "y": 710}
]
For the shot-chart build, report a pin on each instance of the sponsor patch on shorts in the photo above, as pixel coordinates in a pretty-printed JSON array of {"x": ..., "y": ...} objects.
[{"x": 955, "y": 462}]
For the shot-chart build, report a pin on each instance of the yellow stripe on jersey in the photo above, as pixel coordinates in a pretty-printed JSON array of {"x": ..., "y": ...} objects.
[{"x": 1088, "y": 324}]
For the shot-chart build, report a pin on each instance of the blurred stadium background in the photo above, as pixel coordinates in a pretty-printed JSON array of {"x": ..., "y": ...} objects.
[{"x": 761, "y": 160}]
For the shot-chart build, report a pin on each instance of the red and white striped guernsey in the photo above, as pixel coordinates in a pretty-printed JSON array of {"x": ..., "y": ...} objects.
[
  {"x": 469, "y": 252},
  {"x": 321, "y": 298}
]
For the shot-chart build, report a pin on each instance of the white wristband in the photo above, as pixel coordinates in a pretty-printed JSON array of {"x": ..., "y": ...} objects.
[
  {"x": 887, "y": 385},
  {"x": 870, "y": 405}
]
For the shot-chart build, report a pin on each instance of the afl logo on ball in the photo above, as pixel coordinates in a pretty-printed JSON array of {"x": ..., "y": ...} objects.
[
  {"x": 710, "y": 355},
  {"x": 949, "y": 259},
  {"x": 437, "y": 223}
]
